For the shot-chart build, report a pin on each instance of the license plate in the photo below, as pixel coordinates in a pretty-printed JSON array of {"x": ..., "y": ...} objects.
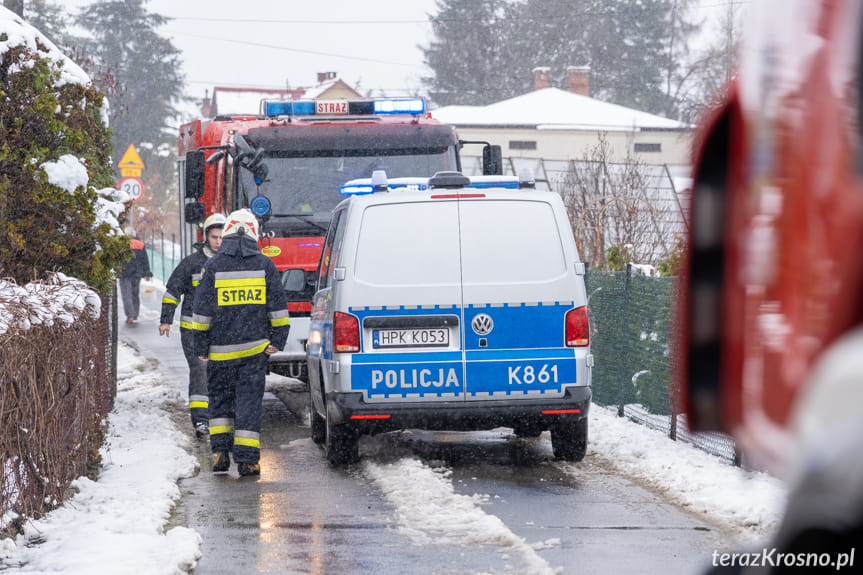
[{"x": 419, "y": 337}]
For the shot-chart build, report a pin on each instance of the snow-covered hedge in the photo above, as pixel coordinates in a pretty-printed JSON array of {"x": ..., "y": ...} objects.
[
  {"x": 58, "y": 208},
  {"x": 56, "y": 387}
]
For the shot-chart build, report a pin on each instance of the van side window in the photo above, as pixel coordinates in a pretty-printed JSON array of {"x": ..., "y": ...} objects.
[{"x": 328, "y": 253}]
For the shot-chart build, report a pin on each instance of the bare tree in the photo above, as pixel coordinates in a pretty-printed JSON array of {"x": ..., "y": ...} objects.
[{"x": 613, "y": 207}]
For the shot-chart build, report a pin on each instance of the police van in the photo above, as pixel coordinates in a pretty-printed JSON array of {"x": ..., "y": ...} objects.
[{"x": 449, "y": 303}]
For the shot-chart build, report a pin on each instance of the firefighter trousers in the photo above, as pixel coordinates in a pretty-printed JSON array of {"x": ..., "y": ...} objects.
[
  {"x": 236, "y": 390},
  {"x": 198, "y": 396}
]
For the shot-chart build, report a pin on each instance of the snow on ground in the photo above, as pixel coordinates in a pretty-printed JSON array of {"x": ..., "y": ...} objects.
[
  {"x": 444, "y": 517},
  {"x": 748, "y": 503},
  {"x": 116, "y": 524}
]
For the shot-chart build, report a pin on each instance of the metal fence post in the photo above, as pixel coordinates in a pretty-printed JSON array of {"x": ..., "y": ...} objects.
[
  {"x": 624, "y": 342},
  {"x": 163, "y": 255}
]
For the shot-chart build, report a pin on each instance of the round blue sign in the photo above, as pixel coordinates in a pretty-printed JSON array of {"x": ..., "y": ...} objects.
[{"x": 260, "y": 206}]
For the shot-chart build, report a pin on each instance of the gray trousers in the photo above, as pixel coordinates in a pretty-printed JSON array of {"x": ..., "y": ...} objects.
[
  {"x": 198, "y": 396},
  {"x": 130, "y": 289}
]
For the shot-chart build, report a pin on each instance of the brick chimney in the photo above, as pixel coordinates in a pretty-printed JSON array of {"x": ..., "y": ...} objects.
[
  {"x": 541, "y": 77},
  {"x": 205, "y": 105},
  {"x": 324, "y": 76},
  {"x": 579, "y": 80}
]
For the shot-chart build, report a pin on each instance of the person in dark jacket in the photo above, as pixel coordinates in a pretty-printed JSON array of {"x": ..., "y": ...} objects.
[
  {"x": 130, "y": 278},
  {"x": 181, "y": 285},
  {"x": 240, "y": 318}
]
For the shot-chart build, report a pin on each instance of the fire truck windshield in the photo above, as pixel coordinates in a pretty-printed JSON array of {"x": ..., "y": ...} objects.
[{"x": 304, "y": 189}]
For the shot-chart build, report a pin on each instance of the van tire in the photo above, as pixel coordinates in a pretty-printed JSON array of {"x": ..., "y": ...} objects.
[
  {"x": 318, "y": 424},
  {"x": 569, "y": 440},
  {"x": 342, "y": 443}
]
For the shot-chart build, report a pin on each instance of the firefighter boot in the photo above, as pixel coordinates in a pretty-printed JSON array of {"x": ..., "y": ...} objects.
[
  {"x": 246, "y": 469},
  {"x": 221, "y": 462}
]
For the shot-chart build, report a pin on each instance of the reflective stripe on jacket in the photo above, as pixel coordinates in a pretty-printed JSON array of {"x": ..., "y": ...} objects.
[
  {"x": 181, "y": 286},
  {"x": 240, "y": 305}
]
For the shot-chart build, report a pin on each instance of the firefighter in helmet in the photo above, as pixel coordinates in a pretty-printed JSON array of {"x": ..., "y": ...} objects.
[
  {"x": 181, "y": 285},
  {"x": 240, "y": 318}
]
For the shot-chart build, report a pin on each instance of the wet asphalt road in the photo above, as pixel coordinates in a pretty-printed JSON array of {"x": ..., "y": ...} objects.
[{"x": 305, "y": 516}]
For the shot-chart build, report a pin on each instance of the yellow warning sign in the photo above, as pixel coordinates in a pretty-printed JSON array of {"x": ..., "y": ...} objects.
[{"x": 130, "y": 164}]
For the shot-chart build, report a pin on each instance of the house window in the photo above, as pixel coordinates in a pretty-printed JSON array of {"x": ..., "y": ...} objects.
[
  {"x": 645, "y": 147},
  {"x": 522, "y": 145}
]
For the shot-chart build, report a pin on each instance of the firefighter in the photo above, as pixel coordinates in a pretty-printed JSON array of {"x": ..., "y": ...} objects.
[
  {"x": 240, "y": 318},
  {"x": 182, "y": 284}
]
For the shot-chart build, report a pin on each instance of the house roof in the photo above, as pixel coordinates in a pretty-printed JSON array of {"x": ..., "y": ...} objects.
[
  {"x": 555, "y": 109},
  {"x": 228, "y": 101},
  {"x": 335, "y": 85}
]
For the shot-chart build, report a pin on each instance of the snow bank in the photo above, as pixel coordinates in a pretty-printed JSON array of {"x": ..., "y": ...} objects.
[
  {"x": 444, "y": 517},
  {"x": 116, "y": 524},
  {"x": 61, "y": 298},
  {"x": 749, "y": 503}
]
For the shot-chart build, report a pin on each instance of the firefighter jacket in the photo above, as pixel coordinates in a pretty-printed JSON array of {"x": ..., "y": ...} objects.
[
  {"x": 182, "y": 283},
  {"x": 240, "y": 305}
]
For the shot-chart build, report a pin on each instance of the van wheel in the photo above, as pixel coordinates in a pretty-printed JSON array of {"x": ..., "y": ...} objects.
[
  {"x": 527, "y": 430},
  {"x": 342, "y": 443},
  {"x": 569, "y": 440},
  {"x": 319, "y": 424}
]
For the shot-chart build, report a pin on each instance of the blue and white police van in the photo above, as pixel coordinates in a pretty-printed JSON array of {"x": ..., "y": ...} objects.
[{"x": 449, "y": 303}]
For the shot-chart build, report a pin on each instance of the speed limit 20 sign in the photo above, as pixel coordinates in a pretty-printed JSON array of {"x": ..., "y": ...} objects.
[{"x": 133, "y": 187}]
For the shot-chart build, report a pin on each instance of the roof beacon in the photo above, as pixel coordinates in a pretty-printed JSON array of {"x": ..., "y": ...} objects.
[
  {"x": 379, "y": 180},
  {"x": 526, "y": 179}
]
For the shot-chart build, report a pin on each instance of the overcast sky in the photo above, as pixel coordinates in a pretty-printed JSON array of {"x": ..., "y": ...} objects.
[{"x": 371, "y": 44}]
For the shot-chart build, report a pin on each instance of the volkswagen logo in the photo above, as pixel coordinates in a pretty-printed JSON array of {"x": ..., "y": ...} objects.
[{"x": 482, "y": 324}]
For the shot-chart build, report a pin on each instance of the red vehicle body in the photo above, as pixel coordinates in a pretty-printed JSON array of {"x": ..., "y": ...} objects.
[
  {"x": 296, "y": 155},
  {"x": 772, "y": 294}
]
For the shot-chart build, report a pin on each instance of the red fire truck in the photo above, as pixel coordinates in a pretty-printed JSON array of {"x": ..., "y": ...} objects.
[{"x": 287, "y": 164}]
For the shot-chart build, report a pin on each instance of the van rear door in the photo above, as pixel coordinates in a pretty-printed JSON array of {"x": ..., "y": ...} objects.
[
  {"x": 406, "y": 293},
  {"x": 516, "y": 289}
]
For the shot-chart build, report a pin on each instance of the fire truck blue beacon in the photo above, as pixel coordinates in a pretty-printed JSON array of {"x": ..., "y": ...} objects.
[{"x": 449, "y": 303}]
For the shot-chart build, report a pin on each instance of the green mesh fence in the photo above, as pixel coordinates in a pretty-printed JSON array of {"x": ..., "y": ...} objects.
[{"x": 630, "y": 337}]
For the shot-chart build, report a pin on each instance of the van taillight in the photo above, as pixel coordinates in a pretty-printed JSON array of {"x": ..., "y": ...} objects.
[
  {"x": 577, "y": 327},
  {"x": 346, "y": 333}
]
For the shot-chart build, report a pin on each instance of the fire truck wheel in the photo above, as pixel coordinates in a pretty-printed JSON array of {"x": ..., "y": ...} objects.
[{"x": 527, "y": 430}]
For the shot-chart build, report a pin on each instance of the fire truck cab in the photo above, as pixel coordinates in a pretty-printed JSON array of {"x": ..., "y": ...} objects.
[{"x": 287, "y": 164}]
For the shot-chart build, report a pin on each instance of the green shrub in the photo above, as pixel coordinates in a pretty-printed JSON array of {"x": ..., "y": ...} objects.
[{"x": 44, "y": 227}]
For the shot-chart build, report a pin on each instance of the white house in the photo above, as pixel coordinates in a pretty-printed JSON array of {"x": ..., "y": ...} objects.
[{"x": 552, "y": 127}]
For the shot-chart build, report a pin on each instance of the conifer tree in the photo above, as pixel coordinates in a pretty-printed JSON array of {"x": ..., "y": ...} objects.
[{"x": 141, "y": 70}]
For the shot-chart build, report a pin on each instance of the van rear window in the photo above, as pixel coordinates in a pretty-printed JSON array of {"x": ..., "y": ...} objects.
[
  {"x": 411, "y": 244},
  {"x": 510, "y": 242}
]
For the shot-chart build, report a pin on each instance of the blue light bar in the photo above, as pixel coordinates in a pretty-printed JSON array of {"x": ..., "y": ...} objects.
[
  {"x": 350, "y": 189},
  {"x": 485, "y": 182},
  {"x": 399, "y": 106},
  {"x": 413, "y": 106},
  {"x": 289, "y": 108}
]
